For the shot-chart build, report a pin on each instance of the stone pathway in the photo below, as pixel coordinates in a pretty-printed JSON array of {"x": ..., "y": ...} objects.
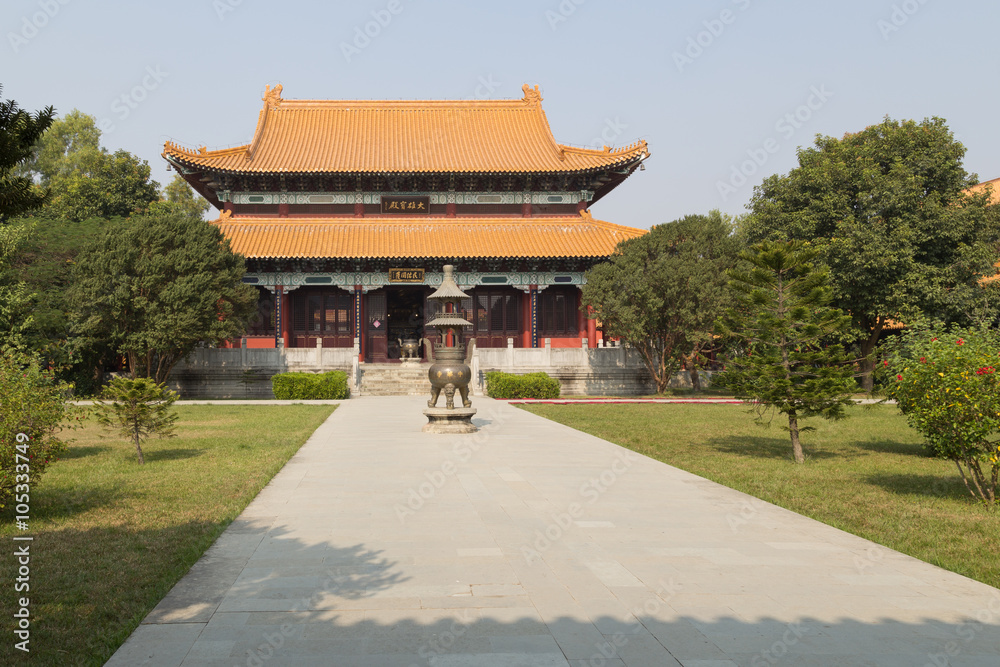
[{"x": 531, "y": 544}]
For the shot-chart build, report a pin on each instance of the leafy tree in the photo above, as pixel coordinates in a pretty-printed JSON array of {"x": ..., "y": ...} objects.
[
  {"x": 85, "y": 179},
  {"x": 781, "y": 313},
  {"x": 72, "y": 144},
  {"x": 946, "y": 382},
  {"x": 44, "y": 266},
  {"x": 117, "y": 185},
  {"x": 180, "y": 194},
  {"x": 33, "y": 410},
  {"x": 887, "y": 209},
  {"x": 138, "y": 408},
  {"x": 155, "y": 286},
  {"x": 15, "y": 299},
  {"x": 19, "y": 130},
  {"x": 662, "y": 292}
]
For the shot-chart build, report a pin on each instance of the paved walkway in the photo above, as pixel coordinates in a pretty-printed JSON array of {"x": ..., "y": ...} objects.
[{"x": 531, "y": 544}]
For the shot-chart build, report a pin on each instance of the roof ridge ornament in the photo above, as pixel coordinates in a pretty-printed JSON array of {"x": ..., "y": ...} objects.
[
  {"x": 532, "y": 97},
  {"x": 272, "y": 96},
  {"x": 225, "y": 214}
]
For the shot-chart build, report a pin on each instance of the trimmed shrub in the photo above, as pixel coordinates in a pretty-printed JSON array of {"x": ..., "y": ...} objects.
[
  {"x": 310, "y": 386},
  {"x": 33, "y": 409},
  {"x": 530, "y": 385}
]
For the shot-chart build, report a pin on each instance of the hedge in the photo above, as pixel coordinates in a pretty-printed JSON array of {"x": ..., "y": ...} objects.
[
  {"x": 530, "y": 385},
  {"x": 306, "y": 386}
]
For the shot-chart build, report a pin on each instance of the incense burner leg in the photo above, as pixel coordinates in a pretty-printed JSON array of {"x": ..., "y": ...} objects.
[
  {"x": 464, "y": 390},
  {"x": 435, "y": 392},
  {"x": 449, "y": 394}
]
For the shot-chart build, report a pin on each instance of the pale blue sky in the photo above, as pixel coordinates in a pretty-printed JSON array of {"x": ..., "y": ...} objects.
[{"x": 194, "y": 71}]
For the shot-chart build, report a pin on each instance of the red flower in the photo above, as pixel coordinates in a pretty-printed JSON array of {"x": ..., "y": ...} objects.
[
  {"x": 933, "y": 339},
  {"x": 886, "y": 364},
  {"x": 899, "y": 377},
  {"x": 960, "y": 342},
  {"x": 923, "y": 360}
]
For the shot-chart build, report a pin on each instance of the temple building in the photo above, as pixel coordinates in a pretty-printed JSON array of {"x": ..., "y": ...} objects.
[{"x": 347, "y": 210}]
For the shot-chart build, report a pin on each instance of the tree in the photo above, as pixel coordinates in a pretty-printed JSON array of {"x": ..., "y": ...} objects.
[
  {"x": 43, "y": 266},
  {"x": 117, "y": 185},
  {"x": 85, "y": 179},
  {"x": 19, "y": 130},
  {"x": 155, "y": 286},
  {"x": 179, "y": 193},
  {"x": 661, "y": 292},
  {"x": 138, "y": 408},
  {"x": 33, "y": 410},
  {"x": 71, "y": 145},
  {"x": 946, "y": 382},
  {"x": 15, "y": 299},
  {"x": 887, "y": 209},
  {"x": 791, "y": 364}
]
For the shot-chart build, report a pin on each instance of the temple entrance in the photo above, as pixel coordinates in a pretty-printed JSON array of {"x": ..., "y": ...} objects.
[
  {"x": 394, "y": 314},
  {"x": 322, "y": 312}
]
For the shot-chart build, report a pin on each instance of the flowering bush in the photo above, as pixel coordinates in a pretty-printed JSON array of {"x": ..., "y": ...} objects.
[
  {"x": 946, "y": 384},
  {"x": 33, "y": 410}
]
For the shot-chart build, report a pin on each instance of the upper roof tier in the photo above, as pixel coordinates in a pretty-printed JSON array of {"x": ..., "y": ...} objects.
[{"x": 436, "y": 136}]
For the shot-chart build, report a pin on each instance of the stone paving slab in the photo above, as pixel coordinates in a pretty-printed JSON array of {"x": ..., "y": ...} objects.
[{"x": 532, "y": 544}]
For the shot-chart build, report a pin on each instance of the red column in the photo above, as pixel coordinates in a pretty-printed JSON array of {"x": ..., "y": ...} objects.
[
  {"x": 450, "y": 209},
  {"x": 526, "y": 209},
  {"x": 285, "y": 318},
  {"x": 533, "y": 296},
  {"x": 359, "y": 210},
  {"x": 526, "y": 319},
  {"x": 282, "y": 210},
  {"x": 581, "y": 319},
  {"x": 359, "y": 318},
  {"x": 591, "y": 328}
]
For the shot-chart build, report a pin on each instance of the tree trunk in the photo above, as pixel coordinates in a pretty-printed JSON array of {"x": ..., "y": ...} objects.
[
  {"x": 867, "y": 364},
  {"x": 793, "y": 429},
  {"x": 138, "y": 449}
]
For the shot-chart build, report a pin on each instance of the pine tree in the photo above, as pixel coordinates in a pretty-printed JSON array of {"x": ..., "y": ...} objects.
[{"x": 791, "y": 363}]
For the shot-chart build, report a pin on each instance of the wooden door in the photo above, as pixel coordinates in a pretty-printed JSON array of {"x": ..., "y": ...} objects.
[{"x": 377, "y": 350}]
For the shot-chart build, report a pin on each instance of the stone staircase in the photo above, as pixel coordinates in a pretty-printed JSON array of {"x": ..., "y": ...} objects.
[{"x": 394, "y": 380}]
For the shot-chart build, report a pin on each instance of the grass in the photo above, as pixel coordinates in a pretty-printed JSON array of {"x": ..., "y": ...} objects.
[
  {"x": 867, "y": 475},
  {"x": 112, "y": 537}
]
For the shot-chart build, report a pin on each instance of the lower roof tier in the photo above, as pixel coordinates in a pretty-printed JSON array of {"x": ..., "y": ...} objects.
[{"x": 368, "y": 238}]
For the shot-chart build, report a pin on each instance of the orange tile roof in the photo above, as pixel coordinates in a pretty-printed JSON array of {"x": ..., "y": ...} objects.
[
  {"x": 257, "y": 237},
  {"x": 994, "y": 187},
  {"x": 341, "y": 136}
]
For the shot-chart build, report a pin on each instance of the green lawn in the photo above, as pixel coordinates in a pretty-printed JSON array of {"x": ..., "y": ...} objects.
[
  {"x": 867, "y": 475},
  {"x": 111, "y": 537}
]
